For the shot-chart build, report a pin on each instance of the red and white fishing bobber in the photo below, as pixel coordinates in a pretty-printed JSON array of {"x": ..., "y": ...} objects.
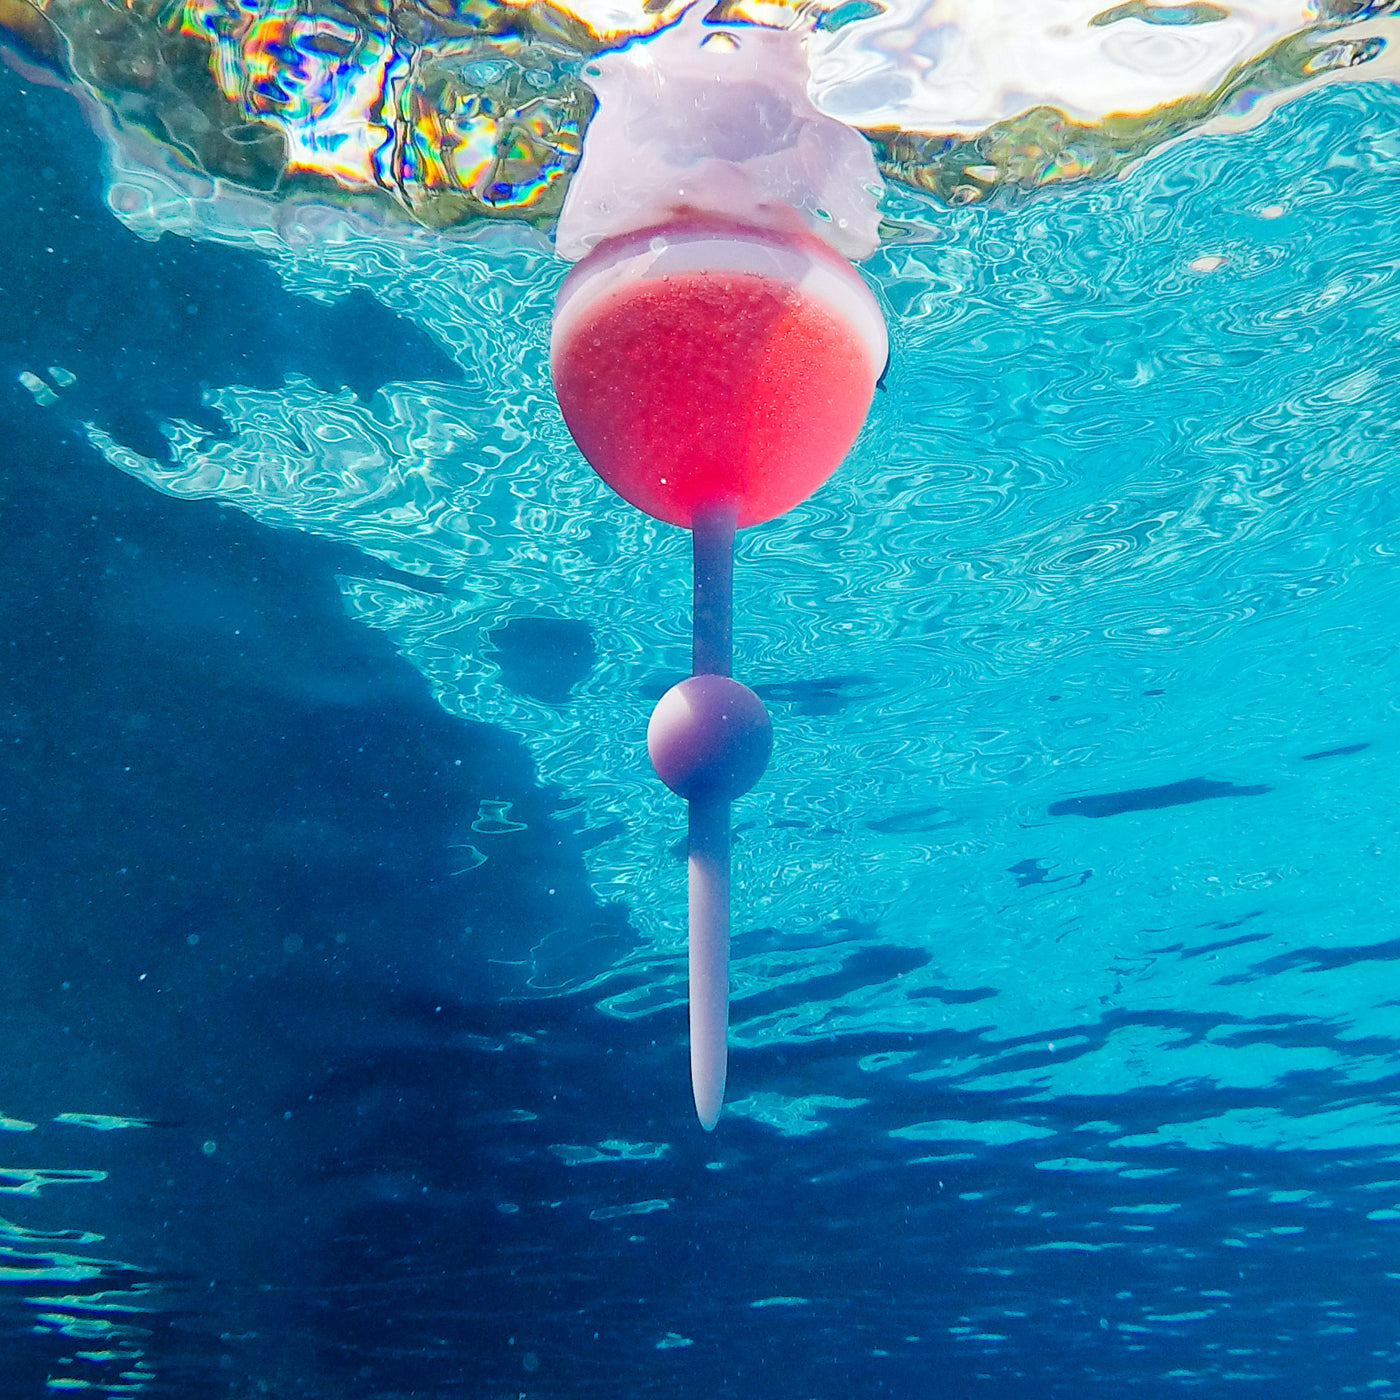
[{"x": 715, "y": 358}]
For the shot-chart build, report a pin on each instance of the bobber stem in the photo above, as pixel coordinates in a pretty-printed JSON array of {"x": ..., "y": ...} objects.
[
  {"x": 709, "y": 955},
  {"x": 713, "y": 532}
]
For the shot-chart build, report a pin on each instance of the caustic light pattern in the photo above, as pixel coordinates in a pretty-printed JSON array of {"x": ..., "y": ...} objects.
[{"x": 1035, "y": 625}]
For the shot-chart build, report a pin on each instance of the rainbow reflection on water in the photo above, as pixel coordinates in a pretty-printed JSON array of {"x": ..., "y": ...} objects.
[{"x": 449, "y": 113}]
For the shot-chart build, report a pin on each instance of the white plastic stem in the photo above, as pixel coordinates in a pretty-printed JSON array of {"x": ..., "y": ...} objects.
[
  {"x": 709, "y": 829},
  {"x": 709, "y": 955}
]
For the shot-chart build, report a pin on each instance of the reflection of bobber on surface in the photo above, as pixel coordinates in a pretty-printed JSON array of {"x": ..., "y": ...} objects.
[{"x": 714, "y": 360}]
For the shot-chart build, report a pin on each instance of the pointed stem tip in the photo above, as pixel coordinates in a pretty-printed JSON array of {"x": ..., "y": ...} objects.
[{"x": 709, "y": 955}]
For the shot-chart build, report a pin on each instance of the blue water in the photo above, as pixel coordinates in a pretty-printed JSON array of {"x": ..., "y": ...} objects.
[{"x": 343, "y": 1016}]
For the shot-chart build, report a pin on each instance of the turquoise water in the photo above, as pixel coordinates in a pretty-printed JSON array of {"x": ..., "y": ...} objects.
[{"x": 1065, "y": 1020}]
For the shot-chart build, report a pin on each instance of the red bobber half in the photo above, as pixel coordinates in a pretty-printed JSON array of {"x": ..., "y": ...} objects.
[{"x": 704, "y": 364}]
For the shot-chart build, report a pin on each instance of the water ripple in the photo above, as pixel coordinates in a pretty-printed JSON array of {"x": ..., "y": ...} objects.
[{"x": 1124, "y": 518}]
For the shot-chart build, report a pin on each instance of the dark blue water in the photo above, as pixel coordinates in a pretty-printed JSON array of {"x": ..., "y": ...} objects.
[{"x": 1065, "y": 1052}]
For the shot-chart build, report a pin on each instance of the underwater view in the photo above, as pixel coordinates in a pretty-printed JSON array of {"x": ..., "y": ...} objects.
[{"x": 345, "y": 1041}]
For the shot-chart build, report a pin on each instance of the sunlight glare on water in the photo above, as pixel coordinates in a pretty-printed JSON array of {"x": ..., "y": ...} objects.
[{"x": 220, "y": 116}]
